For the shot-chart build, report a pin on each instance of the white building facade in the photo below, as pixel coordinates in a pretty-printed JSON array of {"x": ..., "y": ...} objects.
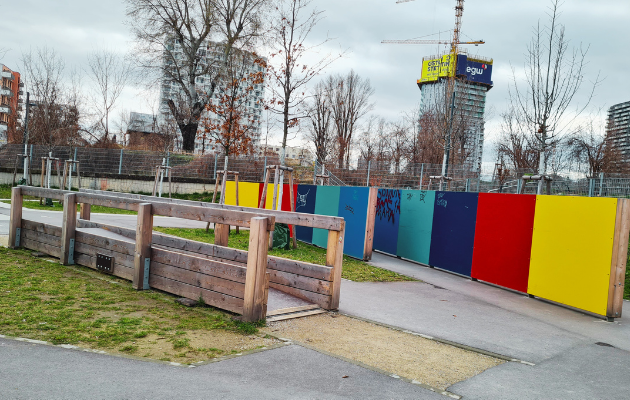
[{"x": 251, "y": 103}]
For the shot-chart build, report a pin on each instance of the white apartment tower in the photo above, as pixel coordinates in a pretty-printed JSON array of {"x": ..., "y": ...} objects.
[{"x": 212, "y": 53}]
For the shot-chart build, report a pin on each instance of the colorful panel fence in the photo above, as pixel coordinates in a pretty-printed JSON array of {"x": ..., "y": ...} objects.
[{"x": 387, "y": 221}]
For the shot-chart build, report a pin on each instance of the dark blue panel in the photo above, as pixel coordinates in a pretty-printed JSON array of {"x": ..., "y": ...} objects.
[
  {"x": 473, "y": 70},
  {"x": 453, "y": 234},
  {"x": 305, "y": 203},
  {"x": 353, "y": 202},
  {"x": 387, "y": 220}
]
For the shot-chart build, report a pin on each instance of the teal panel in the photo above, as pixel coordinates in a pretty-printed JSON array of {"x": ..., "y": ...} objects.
[
  {"x": 416, "y": 222},
  {"x": 326, "y": 203}
]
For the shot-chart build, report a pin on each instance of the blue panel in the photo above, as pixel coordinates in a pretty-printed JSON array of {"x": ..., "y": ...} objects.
[
  {"x": 305, "y": 203},
  {"x": 353, "y": 203},
  {"x": 416, "y": 222},
  {"x": 327, "y": 203},
  {"x": 474, "y": 71},
  {"x": 453, "y": 234},
  {"x": 387, "y": 220}
]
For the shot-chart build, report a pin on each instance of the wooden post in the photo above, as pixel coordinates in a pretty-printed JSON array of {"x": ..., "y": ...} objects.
[
  {"x": 78, "y": 176},
  {"x": 263, "y": 197},
  {"x": 334, "y": 259},
  {"x": 292, "y": 201},
  {"x": 236, "y": 184},
  {"x": 618, "y": 262},
  {"x": 68, "y": 228},
  {"x": 86, "y": 211},
  {"x": 223, "y": 185},
  {"x": 275, "y": 198},
  {"x": 15, "y": 224},
  {"x": 371, "y": 218},
  {"x": 155, "y": 181},
  {"x": 214, "y": 197},
  {"x": 256, "y": 278},
  {"x": 221, "y": 234},
  {"x": 65, "y": 172},
  {"x": 142, "y": 254}
]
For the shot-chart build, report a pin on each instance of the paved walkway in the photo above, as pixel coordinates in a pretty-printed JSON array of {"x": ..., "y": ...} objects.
[{"x": 561, "y": 342}]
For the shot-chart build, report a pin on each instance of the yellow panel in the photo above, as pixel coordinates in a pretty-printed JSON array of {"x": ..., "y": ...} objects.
[
  {"x": 247, "y": 194},
  {"x": 269, "y": 199},
  {"x": 572, "y": 251}
]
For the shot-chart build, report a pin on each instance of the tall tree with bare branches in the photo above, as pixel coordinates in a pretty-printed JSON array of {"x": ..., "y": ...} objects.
[
  {"x": 172, "y": 40},
  {"x": 320, "y": 132},
  {"x": 289, "y": 74},
  {"x": 554, "y": 75}
]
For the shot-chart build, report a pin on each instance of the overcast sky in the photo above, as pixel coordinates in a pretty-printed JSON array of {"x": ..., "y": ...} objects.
[{"x": 75, "y": 27}]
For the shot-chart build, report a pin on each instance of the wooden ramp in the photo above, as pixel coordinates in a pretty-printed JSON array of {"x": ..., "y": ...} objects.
[{"x": 281, "y": 306}]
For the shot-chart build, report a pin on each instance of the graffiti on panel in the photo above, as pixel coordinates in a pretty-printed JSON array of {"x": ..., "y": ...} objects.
[
  {"x": 301, "y": 200},
  {"x": 388, "y": 205}
]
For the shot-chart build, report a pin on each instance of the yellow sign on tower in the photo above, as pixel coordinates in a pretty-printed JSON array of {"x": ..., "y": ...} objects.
[{"x": 437, "y": 68}]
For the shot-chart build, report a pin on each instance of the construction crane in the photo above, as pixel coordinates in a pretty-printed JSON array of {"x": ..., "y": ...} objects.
[{"x": 450, "y": 87}]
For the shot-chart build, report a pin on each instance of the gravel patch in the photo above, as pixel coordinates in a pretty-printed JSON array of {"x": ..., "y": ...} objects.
[{"x": 410, "y": 356}]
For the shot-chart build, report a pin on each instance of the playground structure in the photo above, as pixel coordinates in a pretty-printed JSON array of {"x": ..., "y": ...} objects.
[{"x": 229, "y": 279}]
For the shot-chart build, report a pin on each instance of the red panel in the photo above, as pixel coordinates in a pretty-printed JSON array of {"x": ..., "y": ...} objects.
[
  {"x": 286, "y": 206},
  {"x": 503, "y": 239}
]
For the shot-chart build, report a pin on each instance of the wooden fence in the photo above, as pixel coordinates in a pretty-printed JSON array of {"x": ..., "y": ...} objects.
[
  {"x": 230, "y": 279},
  {"x": 315, "y": 283}
]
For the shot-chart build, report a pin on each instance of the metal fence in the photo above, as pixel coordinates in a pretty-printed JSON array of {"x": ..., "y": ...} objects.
[{"x": 142, "y": 165}]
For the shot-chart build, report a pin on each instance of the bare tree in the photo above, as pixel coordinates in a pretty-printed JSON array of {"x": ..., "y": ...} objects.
[
  {"x": 517, "y": 146},
  {"x": 554, "y": 75},
  {"x": 320, "y": 128},
  {"x": 173, "y": 40},
  {"x": 350, "y": 101},
  {"x": 110, "y": 75},
  {"x": 288, "y": 77},
  {"x": 596, "y": 152},
  {"x": 54, "y": 121}
]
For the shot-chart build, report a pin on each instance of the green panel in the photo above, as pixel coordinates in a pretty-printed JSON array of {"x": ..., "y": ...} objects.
[
  {"x": 416, "y": 221},
  {"x": 326, "y": 203}
]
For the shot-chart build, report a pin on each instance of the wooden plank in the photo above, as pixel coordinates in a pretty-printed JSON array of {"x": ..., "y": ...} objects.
[
  {"x": 285, "y": 217},
  {"x": 371, "y": 220},
  {"x": 109, "y": 201},
  {"x": 334, "y": 259},
  {"x": 123, "y": 259},
  {"x": 206, "y": 249},
  {"x": 42, "y": 247},
  {"x": 68, "y": 227},
  {"x": 319, "y": 299},
  {"x": 85, "y": 211},
  {"x": 300, "y": 268},
  {"x": 221, "y": 234},
  {"x": 41, "y": 227},
  {"x": 41, "y": 237},
  {"x": 234, "y": 289},
  {"x": 120, "y": 270},
  {"x": 15, "y": 219},
  {"x": 198, "y": 264},
  {"x": 254, "y": 298},
  {"x": 300, "y": 282},
  {"x": 44, "y": 193},
  {"x": 292, "y": 310},
  {"x": 216, "y": 216},
  {"x": 211, "y": 298},
  {"x": 619, "y": 259},
  {"x": 295, "y": 315},
  {"x": 144, "y": 231},
  {"x": 119, "y": 246}
]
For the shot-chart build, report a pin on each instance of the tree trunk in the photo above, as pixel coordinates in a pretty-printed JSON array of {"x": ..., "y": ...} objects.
[{"x": 189, "y": 132}]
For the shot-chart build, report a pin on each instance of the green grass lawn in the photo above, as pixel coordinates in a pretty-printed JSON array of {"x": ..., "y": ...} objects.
[
  {"x": 43, "y": 300},
  {"x": 34, "y": 205},
  {"x": 353, "y": 269}
]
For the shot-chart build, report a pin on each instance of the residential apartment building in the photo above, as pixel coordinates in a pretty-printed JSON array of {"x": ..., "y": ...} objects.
[
  {"x": 618, "y": 129},
  {"x": 250, "y": 102},
  {"x": 10, "y": 104},
  {"x": 301, "y": 155}
]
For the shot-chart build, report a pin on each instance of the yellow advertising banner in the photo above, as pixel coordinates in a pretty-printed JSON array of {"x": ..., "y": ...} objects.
[{"x": 438, "y": 68}]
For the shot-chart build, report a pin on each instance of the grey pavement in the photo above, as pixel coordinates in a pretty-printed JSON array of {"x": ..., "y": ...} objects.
[{"x": 35, "y": 371}]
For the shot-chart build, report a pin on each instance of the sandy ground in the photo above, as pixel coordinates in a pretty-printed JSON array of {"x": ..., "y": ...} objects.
[{"x": 410, "y": 356}]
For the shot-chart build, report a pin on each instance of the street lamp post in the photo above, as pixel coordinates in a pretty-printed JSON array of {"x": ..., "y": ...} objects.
[{"x": 25, "y": 139}]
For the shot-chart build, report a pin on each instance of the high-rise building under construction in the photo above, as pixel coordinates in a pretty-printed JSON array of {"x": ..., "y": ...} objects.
[{"x": 472, "y": 80}]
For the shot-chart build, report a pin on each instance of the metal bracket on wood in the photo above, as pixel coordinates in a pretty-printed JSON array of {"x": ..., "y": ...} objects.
[
  {"x": 105, "y": 263},
  {"x": 147, "y": 264},
  {"x": 71, "y": 252},
  {"x": 18, "y": 233}
]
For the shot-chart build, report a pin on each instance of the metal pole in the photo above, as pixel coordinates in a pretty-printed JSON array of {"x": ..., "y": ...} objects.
[
  {"x": 368, "y": 174},
  {"x": 265, "y": 169},
  {"x": 48, "y": 169},
  {"x": 215, "y": 167},
  {"x": 162, "y": 176},
  {"x": 25, "y": 139},
  {"x": 315, "y": 172},
  {"x": 120, "y": 162},
  {"x": 468, "y": 185},
  {"x": 591, "y": 187},
  {"x": 421, "y": 175},
  {"x": 601, "y": 183},
  {"x": 447, "y": 148}
]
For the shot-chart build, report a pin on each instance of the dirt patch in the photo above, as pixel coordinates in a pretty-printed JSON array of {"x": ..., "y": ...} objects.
[{"x": 410, "y": 356}]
